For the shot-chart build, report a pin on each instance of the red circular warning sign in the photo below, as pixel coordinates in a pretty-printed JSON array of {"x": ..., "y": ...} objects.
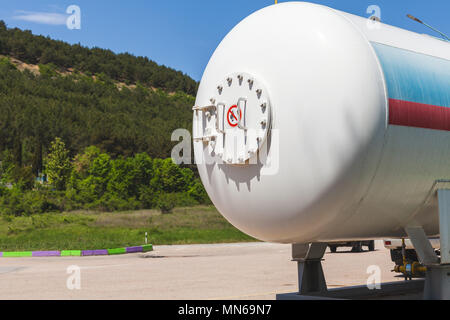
[{"x": 234, "y": 115}]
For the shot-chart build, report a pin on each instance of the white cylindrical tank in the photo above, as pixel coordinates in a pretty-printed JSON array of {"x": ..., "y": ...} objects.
[{"x": 350, "y": 120}]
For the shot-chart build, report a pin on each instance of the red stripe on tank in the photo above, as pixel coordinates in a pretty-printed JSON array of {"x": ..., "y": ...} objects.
[{"x": 418, "y": 115}]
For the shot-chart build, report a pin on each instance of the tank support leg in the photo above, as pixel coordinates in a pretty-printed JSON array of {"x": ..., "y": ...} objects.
[
  {"x": 437, "y": 282},
  {"x": 311, "y": 278},
  {"x": 444, "y": 224}
]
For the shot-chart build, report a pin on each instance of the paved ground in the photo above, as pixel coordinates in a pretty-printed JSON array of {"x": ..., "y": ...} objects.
[{"x": 234, "y": 271}]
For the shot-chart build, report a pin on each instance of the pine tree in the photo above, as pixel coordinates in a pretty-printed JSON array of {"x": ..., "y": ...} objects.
[{"x": 58, "y": 165}]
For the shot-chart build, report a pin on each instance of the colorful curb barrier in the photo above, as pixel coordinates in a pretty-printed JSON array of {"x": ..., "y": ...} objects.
[{"x": 77, "y": 253}]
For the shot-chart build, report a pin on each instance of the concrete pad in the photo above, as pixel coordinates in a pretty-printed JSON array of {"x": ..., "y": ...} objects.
[{"x": 225, "y": 271}]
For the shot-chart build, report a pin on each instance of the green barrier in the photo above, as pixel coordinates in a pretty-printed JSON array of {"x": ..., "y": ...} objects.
[
  {"x": 147, "y": 248},
  {"x": 17, "y": 254},
  {"x": 75, "y": 253},
  {"x": 117, "y": 251},
  {"x": 71, "y": 253}
]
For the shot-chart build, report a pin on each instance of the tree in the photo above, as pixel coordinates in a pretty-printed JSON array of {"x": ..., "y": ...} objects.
[
  {"x": 168, "y": 177},
  {"x": 83, "y": 162},
  {"x": 58, "y": 165}
]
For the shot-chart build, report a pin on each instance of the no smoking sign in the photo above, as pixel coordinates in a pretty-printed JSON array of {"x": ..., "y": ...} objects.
[{"x": 234, "y": 116}]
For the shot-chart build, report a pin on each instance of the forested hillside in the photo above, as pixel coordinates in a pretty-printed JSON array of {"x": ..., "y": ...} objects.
[
  {"x": 86, "y": 106},
  {"x": 127, "y": 68},
  {"x": 83, "y": 112},
  {"x": 110, "y": 118}
]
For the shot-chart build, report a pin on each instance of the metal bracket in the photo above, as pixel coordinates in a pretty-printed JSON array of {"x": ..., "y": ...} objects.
[
  {"x": 311, "y": 278},
  {"x": 422, "y": 245},
  {"x": 441, "y": 189},
  {"x": 437, "y": 283},
  {"x": 201, "y": 131},
  {"x": 204, "y": 108},
  {"x": 240, "y": 125},
  {"x": 444, "y": 224},
  {"x": 218, "y": 119}
]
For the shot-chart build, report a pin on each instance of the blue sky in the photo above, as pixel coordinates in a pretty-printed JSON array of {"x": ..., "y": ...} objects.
[{"x": 183, "y": 34}]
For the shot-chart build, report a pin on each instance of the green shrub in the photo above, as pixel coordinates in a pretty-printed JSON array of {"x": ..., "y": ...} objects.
[
  {"x": 21, "y": 177},
  {"x": 95, "y": 181},
  {"x": 114, "y": 203},
  {"x": 198, "y": 193},
  {"x": 48, "y": 70},
  {"x": 166, "y": 202},
  {"x": 11, "y": 203},
  {"x": 147, "y": 198},
  {"x": 6, "y": 63},
  {"x": 3, "y": 190},
  {"x": 182, "y": 199}
]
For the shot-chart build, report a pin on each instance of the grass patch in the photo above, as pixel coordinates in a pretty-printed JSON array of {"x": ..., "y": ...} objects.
[{"x": 85, "y": 230}]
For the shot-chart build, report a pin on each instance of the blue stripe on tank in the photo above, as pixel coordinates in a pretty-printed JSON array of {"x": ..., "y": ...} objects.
[{"x": 415, "y": 77}]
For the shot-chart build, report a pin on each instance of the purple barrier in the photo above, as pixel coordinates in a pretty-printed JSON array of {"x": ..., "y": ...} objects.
[
  {"x": 94, "y": 252},
  {"x": 103, "y": 252},
  {"x": 134, "y": 249},
  {"x": 46, "y": 253},
  {"x": 85, "y": 253}
]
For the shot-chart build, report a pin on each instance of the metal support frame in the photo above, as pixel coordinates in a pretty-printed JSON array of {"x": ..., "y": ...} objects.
[
  {"x": 402, "y": 290},
  {"x": 422, "y": 245},
  {"x": 311, "y": 278},
  {"x": 312, "y": 284},
  {"x": 437, "y": 282},
  {"x": 444, "y": 224}
]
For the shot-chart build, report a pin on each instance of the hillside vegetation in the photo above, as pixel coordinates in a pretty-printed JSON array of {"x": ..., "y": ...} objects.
[
  {"x": 90, "y": 230},
  {"x": 122, "y": 104},
  {"x": 34, "y": 110},
  {"x": 29, "y": 48},
  {"x": 98, "y": 125},
  {"x": 85, "y": 146}
]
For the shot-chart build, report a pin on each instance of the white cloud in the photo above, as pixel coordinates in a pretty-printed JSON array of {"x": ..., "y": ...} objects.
[{"x": 41, "y": 17}]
